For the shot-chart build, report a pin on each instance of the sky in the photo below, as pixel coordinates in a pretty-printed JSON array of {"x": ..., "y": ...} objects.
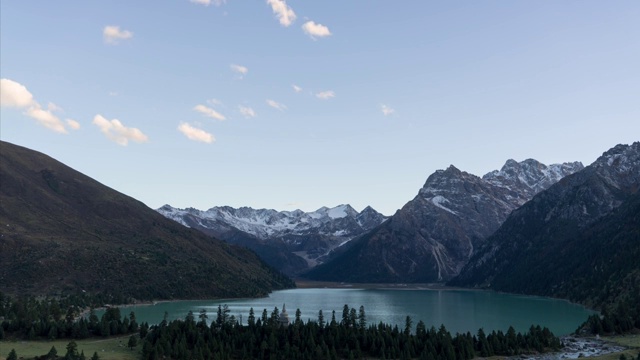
[{"x": 302, "y": 104}]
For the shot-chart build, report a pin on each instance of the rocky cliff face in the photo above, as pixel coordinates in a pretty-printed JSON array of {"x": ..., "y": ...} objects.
[
  {"x": 537, "y": 250},
  {"x": 434, "y": 235},
  {"x": 291, "y": 241}
]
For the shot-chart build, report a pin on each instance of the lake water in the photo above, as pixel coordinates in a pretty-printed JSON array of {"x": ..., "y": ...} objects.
[{"x": 458, "y": 310}]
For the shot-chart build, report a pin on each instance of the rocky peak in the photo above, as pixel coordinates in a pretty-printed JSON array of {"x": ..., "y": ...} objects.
[
  {"x": 370, "y": 218},
  {"x": 432, "y": 236},
  {"x": 592, "y": 214},
  {"x": 308, "y": 235},
  {"x": 530, "y": 176},
  {"x": 620, "y": 165},
  {"x": 447, "y": 181}
]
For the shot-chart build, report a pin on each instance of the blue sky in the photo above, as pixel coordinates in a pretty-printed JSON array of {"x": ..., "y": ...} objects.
[{"x": 303, "y": 104}]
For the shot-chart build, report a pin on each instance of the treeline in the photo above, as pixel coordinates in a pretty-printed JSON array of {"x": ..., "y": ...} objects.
[
  {"x": 49, "y": 318},
  {"x": 622, "y": 320},
  {"x": 350, "y": 337}
]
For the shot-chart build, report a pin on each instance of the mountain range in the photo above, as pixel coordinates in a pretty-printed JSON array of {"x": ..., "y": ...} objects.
[
  {"x": 562, "y": 230},
  {"x": 62, "y": 232},
  {"x": 579, "y": 239},
  {"x": 291, "y": 241},
  {"x": 432, "y": 237}
]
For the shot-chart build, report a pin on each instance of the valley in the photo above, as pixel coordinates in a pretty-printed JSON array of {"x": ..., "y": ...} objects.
[{"x": 527, "y": 202}]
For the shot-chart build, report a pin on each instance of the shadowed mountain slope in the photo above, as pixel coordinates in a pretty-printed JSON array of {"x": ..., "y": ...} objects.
[
  {"x": 63, "y": 232},
  {"x": 579, "y": 239},
  {"x": 434, "y": 235}
]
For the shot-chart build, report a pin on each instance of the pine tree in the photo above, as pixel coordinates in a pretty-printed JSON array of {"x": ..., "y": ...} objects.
[
  {"x": 362, "y": 319},
  {"x": 320, "y": 319},
  {"x": 345, "y": 316},
  {"x": 52, "y": 353},
  {"x": 72, "y": 350},
  {"x": 133, "y": 342},
  {"x": 12, "y": 355},
  {"x": 95, "y": 356},
  {"x": 252, "y": 317},
  {"x": 407, "y": 325}
]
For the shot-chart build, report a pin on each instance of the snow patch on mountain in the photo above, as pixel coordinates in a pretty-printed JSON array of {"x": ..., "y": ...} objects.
[
  {"x": 339, "y": 221},
  {"x": 439, "y": 201}
]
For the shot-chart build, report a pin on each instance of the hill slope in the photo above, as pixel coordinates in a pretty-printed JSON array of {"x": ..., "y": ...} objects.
[
  {"x": 63, "y": 232},
  {"x": 432, "y": 236},
  {"x": 578, "y": 240}
]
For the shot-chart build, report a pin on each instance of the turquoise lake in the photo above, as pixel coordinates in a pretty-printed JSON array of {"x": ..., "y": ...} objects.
[{"x": 458, "y": 310}]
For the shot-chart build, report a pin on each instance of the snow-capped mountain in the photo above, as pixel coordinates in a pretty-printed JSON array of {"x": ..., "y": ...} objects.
[
  {"x": 530, "y": 176},
  {"x": 579, "y": 234},
  {"x": 432, "y": 236},
  {"x": 310, "y": 235}
]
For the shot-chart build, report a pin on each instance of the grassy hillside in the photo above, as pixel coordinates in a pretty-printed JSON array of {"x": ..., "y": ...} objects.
[{"x": 63, "y": 232}]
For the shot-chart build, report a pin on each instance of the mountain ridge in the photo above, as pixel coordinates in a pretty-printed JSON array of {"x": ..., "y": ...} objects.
[
  {"x": 559, "y": 228},
  {"x": 432, "y": 236},
  {"x": 64, "y": 232},
  {"x": 291, "y": 241}
]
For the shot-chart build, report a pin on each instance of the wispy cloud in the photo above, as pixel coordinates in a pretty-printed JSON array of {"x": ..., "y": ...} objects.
[
  {"x": 115, "y": 131},
  {"x": 112, "y": 34},
  {"x": 283, "y": 12},
  {"x": 296, "y": 88},
  {"x": 242, "y": 70},
  {"x": 15, "y": 95},
  {"x": 386, "y": 110},
  {"x": 214, "y": 102},
  {"x": 276, "y": 105},
  {"x": 73, "y": 124},
  {"x": 209, "y": 112},
  {"x": 209, "y": 2},
  {"x": 195, "y": 134},
  {"x": 315, "y": 30},
  {"x": 53, "y": 107},
  {"x": 46, "y": 118},
  {"x": 246, "y": 111},
  {"x": 326, "y": 95}
]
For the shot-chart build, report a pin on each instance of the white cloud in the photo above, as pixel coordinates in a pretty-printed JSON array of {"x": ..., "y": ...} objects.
[
  {"x": 296, "y": 88},
  {"x": 326, "y": 95},
  {"x": 315, "y": 30},
  {"x": 73, "y": 124},
  {"x": 247, "y": 111},
  {"x": 112, "y": 34},
  {"x": 242, "y": 70},
  {"x": 46, "y": 118},
  {"x": 209, "y": 2},
  {"x": 276, "y": 105},
  {"x": 209, "y": 112},
  {"x": 113, "y": 93},
  {"x": 195, "y": 134},
  {"x": 214, "y": 102},
  {"x": 386, "y": 110},
  {"x": 53, "y": 107},
  {"x": 115, "y": 131},
  {"x": 14, "y": 94},
  {"x": 283, "y": 12}
]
